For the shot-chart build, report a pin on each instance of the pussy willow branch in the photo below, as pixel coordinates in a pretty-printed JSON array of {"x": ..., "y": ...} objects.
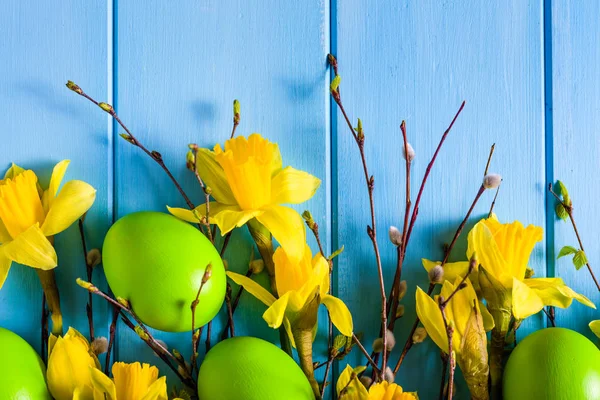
[
  {"x": 371, "y": 230},
  {"x": 89, "y": 268},
  {"x": 146, "y": 336},
  {"x": 44, "y": 330},
  {"x": 195, "y": 334},
  {"x": 569, "y": 209},
  {"x": 111, "y": 340},
  {"x": 444, "y": 358},
  {"x": 206, "y": 190},
  {"x": 156, "y": 156},
  {"x": 366, "y": 353},
  {"x": 409, "y": 342}
]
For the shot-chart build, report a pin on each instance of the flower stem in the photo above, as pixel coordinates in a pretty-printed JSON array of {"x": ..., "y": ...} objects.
[
  {"x": 502, "y": 321},
  {"x": 48, "y": 281},
  {"x": 303, "y": 339}
]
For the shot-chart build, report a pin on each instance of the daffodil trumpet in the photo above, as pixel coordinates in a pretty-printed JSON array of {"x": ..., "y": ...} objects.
[
  {"x": 29, "y": 219},
  {"x": 302, "y": 286}
]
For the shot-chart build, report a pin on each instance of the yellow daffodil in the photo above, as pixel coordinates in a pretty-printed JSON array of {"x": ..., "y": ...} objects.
[
  {"x": 503, "y": 251},
  {"x": 301, "y": 286},
  {"x": 470, "y": 321},
  {"x": 30, "y": 215},
  {"x": 349, "y": 387},
  {"x": 70, "y": 362},
  {"x": 247, "y": 181},
  {"x": 130, "y": 382},
  {"x": 298, "y": 284}
]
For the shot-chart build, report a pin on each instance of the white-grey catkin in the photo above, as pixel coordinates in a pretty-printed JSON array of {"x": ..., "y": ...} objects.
[
  {"x": 420, "y": 335},
  {"x": 390, "y": 340},
  {"x": 378, "y": 345},
  {"x": 410, "y": 153},
  {"x": 366, "y": 381},
  {"x": 389, "y": 375},
  {"x": 100, "y": 345},
  {"x": 395, "y": 236},
  {"x": 492, "y": 181},
  {"x": 436, "y": 274}
]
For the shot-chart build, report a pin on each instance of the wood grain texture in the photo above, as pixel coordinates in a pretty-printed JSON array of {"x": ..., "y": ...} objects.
[
  {"x": 417, "y": 61},
  {"x": 42, "y": 46},
  {"x": 575, "y": 88},
  {"x": 179, "y": 69}
]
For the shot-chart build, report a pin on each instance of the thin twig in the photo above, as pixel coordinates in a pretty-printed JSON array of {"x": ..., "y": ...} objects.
[
  {"x": 208, "y": 333},
  {"x": 449, "y": 333},
  {"x": 111, "y": 340},
  {"x": 205, "y": 218},
  {"x": 234, "y": 305},
  {"x": 44, "y": 330},
  {"x": 487, "y": 166},
  {"x": 89, "y": 269},
  {"x": 550, "y": 316},
  {"x": 156, "y": 156},
  {"x": 569, "y": 209},
  {"x": 494, "y": 202},
  {"x": 364, "y": 351},
  {"x": 444, "y": 357},
  {"x": 359, "y": 138},
  {"x": 195, "y": 336}
]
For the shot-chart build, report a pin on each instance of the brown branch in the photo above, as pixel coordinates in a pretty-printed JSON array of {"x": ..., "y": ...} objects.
[
  {"x": 444, "y": 357},
  {"x": 156, "y": 156},
  {"x": 44, "y": 330},
  {"x": 550, "y": 315},
  {"x": 111, "y": 340},
  {"x": 494, "y": 202},
  {"x": 89, "y": 269},
  {"x": 487, "y": 166},
  {"x": 364, "y": 351},
  {"x": 206, "y": 218},
  {"x": 569, "y": 209},
  {"x": 359, "y": 138},
  {"x": 195, "y": 336}
]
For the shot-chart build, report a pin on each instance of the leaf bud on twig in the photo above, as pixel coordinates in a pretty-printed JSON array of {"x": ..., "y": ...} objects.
[
  {"x": 236, "y": 112},
  {"x": 106, "y": 107},
  {"x": 74, "y": 87}
]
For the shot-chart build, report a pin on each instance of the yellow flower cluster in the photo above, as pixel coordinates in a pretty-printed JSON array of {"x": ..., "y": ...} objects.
[{"x": 349, "y": 387}]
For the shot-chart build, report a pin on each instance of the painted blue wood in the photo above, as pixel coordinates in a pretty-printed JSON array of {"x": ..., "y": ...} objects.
[
  {"x": 43, "y": 45},
  {"x": 417, "y": 61},
  {"x": 178, "y": 70},
  {"x": 575, "y": 158}
]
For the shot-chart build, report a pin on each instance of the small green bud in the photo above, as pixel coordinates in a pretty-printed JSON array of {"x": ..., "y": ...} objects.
[
  {"x": 308, "y": 218},
  {"x": 339, "y": 342},
  {"x": 123, "y": 302},
  {"x": 207, "y": 273},
  {"x": 236, "y": 112},
  {"x": 71, "y": 85},
  {"x": 193, "y": 146},
  {"x": 141, "y": 333},
  {"x": 85, "y": 284},
  {"x": 335, "y": 83},
  {"x": 106, "y": 107},
  {"x": 127, "y": 137},
  {"x": 359, "y": 130}
]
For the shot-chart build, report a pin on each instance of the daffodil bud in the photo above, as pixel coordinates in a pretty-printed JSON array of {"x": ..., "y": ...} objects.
[
  {"x": 420, "y": 335},
  {"x": 492, "y": 181},
  {"x": 400, "y": 311},
  {"x": 85, "y": 284},
  {"x": 94, "y": 258},
  {"x": 395, "y": 236},
  {"x": 100, "y": 345},
  {"x": 436, "y": 274},
  {"x": 408, "y": 153},
  {"x": 389, "y": 375},
  {"x": 70, "y": 361}
]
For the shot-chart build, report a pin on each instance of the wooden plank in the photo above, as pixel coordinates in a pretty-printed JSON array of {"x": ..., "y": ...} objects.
[
  {"x": 575, "y": 88},
  {"x": 43, "y": 45},
  {"x": 417, "y": 61},
  {"x": 179, "y": 69}
]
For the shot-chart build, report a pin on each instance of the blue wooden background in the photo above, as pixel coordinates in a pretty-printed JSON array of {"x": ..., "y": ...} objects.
[{"x": 528, "y": 70}]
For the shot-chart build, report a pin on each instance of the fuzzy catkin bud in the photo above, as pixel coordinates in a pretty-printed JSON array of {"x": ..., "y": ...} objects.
[
  {"x": 378, "y": 345},
  {"x": 395, "y": 236},
  {"x": 100, "y": 345},
  {"x": 436, "y": 274},
  {"x": 256, "y": 266},
  {"x": 390, "y": 340},
  {"x": 408, "y": 153},
  {"x": 366, "y": 381},
  {"x": 94, "y": 258},
  {"x": 400, "y": 311},
  {"x": 492, "y": 181},
  {"x": 402, "y": 287},
  {"x": 389, "y": 375},
  {"x": 420, "y": 335}
]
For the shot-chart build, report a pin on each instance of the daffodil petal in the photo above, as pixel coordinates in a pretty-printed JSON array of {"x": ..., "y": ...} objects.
[
  {"x": 431, "y": 318},
  {"x": 58, "y": 174},
  {"x": 286, "y": 225},
  {"x": 225, "y": 216},
  {"x": 214, "y": 177},
  {"x": 74, "y": 199},
  {"x": 554, "y": 292},
  {"x": 355, "y": 390},
  {"x": 481, "y": 241},
  {"x": 227, "y": 220},
  {"x": 13, "y": 171},
  {"x": 103, "y": 384},
  {"x": 4, "y": 235},
  {"x": 595, "y": 327},
  {"x": 339, "y": 313},
  {"x": 253, "y": 288},
  {"x": 293, "y": 186},
  {"x": 525, "y": 301},
  {"x": 488, "y": 320},
  {"x": 276, "y": 312},
  {"x": 31, "y": 248},
  {"x": 292, "y": 275},
  {"x": 288, "y": 328},
  {"x": 5, "y": 263},
  {"x": 157, "y": 391}
]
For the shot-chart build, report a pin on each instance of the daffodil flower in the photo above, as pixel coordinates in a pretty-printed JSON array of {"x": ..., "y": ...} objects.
[
  {"x": 349, "y": 387},
  {"x": 70, "y": 363},
  {"x": 247, "y": 182},
  {"x": 470, "y": 320},
  {"x": 130, "y": 382},
  {"x": 30, "y": 217},
  {"x": 301, "y": 286}
]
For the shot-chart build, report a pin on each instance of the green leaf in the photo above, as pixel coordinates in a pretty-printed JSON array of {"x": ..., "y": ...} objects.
[
  {"x": 335, "y": 83},
  {"x": 562, "y": 190},
  {"x": 565, "y": 251},
  {"x": 595, "y": 327},
  {"x": 579, "y": 259},
  {"x": 561, "y": 212},
  {"x": 339, "y": 341},
  {"x": 336, "y": 253}
]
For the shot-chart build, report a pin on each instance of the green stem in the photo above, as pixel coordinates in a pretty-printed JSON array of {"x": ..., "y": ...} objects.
[
  {"x": 48, "y": 281},
  {"x": 502, "y": 321},
  {"x": 303, "y": 339}
]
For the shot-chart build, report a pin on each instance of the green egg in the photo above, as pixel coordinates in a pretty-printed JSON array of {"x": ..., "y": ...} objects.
[
  {"x": 247, "y": 368},
  {"x": 22, "y": 372},
  {"x": 553, "y": 364},
  {"x": 157, "y": 262}
]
